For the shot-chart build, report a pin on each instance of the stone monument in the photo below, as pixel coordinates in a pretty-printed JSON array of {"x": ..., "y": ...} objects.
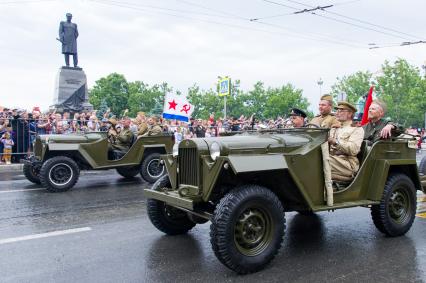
[{"x": 71, "y": 83}]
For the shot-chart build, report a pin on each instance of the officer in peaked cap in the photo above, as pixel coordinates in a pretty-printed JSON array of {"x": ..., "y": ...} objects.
[
  {"x": 325, "y": 119},
  {"x": 297, "y": 117}
]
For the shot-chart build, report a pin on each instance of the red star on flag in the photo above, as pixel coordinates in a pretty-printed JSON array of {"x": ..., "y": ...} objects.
[{"x": 172, "y": 105}]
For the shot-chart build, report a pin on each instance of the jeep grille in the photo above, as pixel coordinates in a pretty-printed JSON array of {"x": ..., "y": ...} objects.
[
  {"x": 38, "y": 147},
  {"x": 188, "y": 166}
]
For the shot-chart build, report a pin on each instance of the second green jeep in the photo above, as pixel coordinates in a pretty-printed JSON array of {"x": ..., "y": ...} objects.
[
  {"x": 244, "y": 185},
  {"x": 58, "y": 159}
]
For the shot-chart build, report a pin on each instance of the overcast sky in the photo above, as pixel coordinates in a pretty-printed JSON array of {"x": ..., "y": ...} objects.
[{"x": 183, "y": 42}]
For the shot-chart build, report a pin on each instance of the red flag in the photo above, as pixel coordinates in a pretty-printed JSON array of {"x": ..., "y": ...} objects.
[{"x": 367, "y": 105}]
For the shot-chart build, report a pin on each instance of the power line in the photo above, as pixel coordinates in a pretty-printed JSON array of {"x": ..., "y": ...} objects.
[
  {"x": 314, "y": 9},
  {"x": 406, "y": 43},
  {"x": 108, "y": 3},
  {"x": 355, "y": 20},
  {"x": 346, "y": 2},
  {"x": 293, "y": 34},
  {"x": 25, "y": 2},
  {"x": 165, "y": 9},
  {"x": 211, "y": 9},
  {"x": 264, "y": 23}
]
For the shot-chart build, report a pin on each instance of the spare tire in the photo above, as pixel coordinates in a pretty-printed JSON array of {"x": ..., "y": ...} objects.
[{"x": 152, "y": 169}]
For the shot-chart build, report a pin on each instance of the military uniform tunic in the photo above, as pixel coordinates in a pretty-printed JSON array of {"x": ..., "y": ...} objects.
[
  {"x": 372, "y": 130},
  {"x": 123, "y": 140},
  {"x": 325, "y": 121},
  {"x": 142, "y": 129},
  {"x": 68, "y": 34},
  {"x": 154, "y": 131},
  {"x": 343, "y": 155}
]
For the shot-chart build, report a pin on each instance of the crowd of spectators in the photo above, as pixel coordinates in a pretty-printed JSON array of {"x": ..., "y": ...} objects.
[{"x": 22, "y": 126}]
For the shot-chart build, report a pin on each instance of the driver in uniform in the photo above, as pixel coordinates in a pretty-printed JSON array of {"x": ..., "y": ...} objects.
[{"x": 122, "y": 141}]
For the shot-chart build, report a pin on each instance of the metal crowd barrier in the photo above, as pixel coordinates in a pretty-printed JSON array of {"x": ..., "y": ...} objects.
[{"x": 24, "y": 131}]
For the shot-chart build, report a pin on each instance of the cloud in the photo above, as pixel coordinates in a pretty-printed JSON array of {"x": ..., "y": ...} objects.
[{"x": 153, "y": 47}]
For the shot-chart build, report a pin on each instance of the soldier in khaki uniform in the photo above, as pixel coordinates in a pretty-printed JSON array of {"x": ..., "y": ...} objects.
[
  {"x": 153, "y": 128},
  {"x": 325, "y": 119},
  {"x": 345, "y": 143},
  {"x": 123, "y": 140},
  {"x": 142, "y": 125}
]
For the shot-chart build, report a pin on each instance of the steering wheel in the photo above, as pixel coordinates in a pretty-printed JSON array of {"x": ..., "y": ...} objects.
[{"x": 310, "y": 125}]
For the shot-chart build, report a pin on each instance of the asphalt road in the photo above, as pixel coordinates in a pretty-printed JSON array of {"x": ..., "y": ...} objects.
[{"x": 99, "y": 232}]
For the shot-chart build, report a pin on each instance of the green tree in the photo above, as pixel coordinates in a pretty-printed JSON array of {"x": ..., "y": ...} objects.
[
  {"x": 144, "y": 98},
  {"x": 281, "y": 100},
  {"x": 354, "y": 86},
  {"x": 114, "y": 89},
  {"x": 403, "y": 89},
  {"x": 205, "y": 102},
  {"x": 103, "y": 107}
]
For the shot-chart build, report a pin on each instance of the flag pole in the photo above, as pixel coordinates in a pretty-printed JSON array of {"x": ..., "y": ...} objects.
[
  {"x": 367, "y": 105},
  {"x": 224, "y": 108}
]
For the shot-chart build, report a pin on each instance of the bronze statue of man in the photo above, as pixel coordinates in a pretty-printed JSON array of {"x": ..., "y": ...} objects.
[{"x": 68, "y": 34}]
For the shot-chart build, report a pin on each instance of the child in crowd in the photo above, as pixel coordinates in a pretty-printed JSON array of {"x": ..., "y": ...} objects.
[{"x": 8, "y": 143}]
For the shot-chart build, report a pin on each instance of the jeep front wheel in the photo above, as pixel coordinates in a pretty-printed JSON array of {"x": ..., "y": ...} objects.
[
  {"x": 32, "y": 172},
  {"x": 128, "y": 171},
  {"x": 247, "y": 228},
  {"x": 166, "y": 218},
  {"x": 152, "y": 169},
  {"x": 59, "y": 174},
  {"x": 397, "y": 209}
]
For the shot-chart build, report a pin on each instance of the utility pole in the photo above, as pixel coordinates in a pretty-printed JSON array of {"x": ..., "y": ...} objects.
[{"x": 320, "y": 82}]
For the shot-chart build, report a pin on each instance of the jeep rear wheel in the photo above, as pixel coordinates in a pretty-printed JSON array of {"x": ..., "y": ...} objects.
[
  {"x": 397, "y": 209},
  {"x": 128, "y": 171},
  {"x": 32, "y": 172},
  {"x": 166, "y": 218},
  {"x": 152, "y": 169},
  {"x": 247, "y": 228},
  {"x": 59, "y": 174}
]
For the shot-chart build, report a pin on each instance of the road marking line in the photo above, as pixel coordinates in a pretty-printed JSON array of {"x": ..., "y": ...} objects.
[
  {"x": 24, "y": 190},
  {"x": 421, "y": 199},
  {"x": 44, "y": 235}
]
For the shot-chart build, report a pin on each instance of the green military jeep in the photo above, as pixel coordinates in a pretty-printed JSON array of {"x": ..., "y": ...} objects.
[
  {"x": 58, "y": 159},
  {"x": 244, "y": 184}
]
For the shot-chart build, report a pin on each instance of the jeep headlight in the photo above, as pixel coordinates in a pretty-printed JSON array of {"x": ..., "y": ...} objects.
[
  {"x": 175, "y": 150},
  {"x": 214, "y": 150}
]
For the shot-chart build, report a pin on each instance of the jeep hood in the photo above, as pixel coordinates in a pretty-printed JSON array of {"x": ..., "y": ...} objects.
[
  {"x": 261, "y": 141},
  {"x": 72, "y": 138}
]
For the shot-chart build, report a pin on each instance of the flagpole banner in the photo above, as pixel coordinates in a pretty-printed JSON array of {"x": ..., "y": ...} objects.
[
  {"x": 177, "y": 107},
  {"x": 368, "y": 102}
]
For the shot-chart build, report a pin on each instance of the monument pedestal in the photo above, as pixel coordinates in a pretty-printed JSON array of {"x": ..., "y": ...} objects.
[{"x": 71, "y": 93}]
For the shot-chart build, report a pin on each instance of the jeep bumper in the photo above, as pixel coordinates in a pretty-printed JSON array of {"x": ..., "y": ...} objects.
[
  {"x": 32, "y": 160},
  {"x": 170, "y": 197}
]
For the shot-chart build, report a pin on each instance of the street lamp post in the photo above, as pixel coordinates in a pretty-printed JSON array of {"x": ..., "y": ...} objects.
[{"x": 320, "y": 82}]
